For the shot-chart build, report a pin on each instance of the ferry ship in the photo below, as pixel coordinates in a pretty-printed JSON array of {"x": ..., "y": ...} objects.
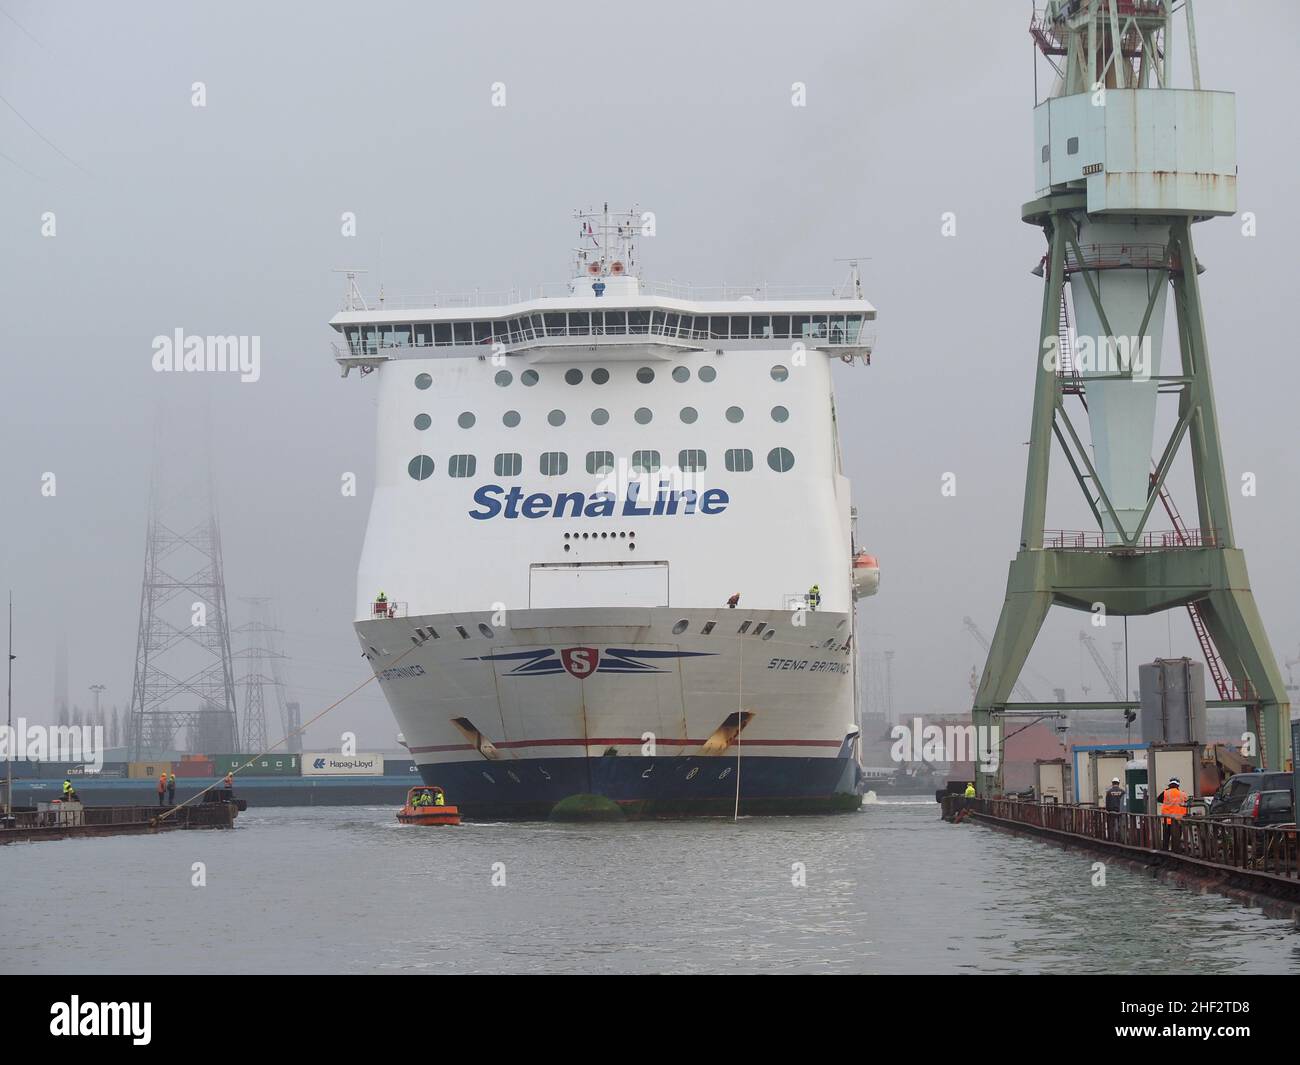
[{"x": 611, "y": 547}]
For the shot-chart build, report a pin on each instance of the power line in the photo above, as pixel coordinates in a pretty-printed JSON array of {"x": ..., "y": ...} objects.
[{"x": 45, "y": 138}]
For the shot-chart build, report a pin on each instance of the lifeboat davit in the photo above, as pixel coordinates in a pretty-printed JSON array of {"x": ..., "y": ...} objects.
[
  {"x": 866, "y": 575},
  {"x": 422, "y": 808}
]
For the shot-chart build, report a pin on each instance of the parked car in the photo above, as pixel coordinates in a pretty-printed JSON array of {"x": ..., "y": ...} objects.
[
  {"x": 1266, "y": 808},
  {"x": 1236, "y": 797}
]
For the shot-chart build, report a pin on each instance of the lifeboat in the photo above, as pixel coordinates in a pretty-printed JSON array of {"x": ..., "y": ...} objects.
[
  {"x": 866, "y": 575},
  {"x": 422, "y": 808}
]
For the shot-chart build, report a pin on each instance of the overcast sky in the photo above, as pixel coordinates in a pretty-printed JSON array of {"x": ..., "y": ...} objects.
[{"x": 225, "y": 219}]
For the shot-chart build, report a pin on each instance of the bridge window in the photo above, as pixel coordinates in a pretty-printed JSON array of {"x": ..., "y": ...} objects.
[
  {"x": 462, "y": 332},
  {"x": 423, "y": 334},
  {"x": 616, "y": 322},
  {"x": 353, "y": 335},
  {"x": 510, "y": 419},
  {"x": 686, "y": 326},
  {"x": 554, "y": 463},
  {"x": 740, "y": 327},
  {"x": 689, "y": 415},
  {"x": 508, "y": 464},
  {"x": 423, "y": 421},
  {"x": 600, "y": 416},
  {"x": 645, "y": 462},
  {"x": 420, "y": 467},
  {"x": 643, "y": 415},
  {"x": 638, "y": 322},
  {"x": 692, "y": 460},
  {"x": 579, "y": 323},
  {"x": 760, "y": 325},
  {"x": 442, "y": 333},
  {"x": 482, "y": 332},
  {"x": 461, "y": 465},
  {"x": 423, "y": 380},
  {"x": 466, "y": 420},
  {"x": 720, "y": 326},
  {"x": 781, "y": 325},
  {"x": 780, "y": 459},
  {"x": 739, "y": 459},
  {"x": 671, "y": 322},
  {"x": 554, "y": 323},
  {"x": 600, "y": 462}
]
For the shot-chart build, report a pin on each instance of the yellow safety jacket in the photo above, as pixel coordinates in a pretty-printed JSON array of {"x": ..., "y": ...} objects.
[{"x": 970, "y": 791}]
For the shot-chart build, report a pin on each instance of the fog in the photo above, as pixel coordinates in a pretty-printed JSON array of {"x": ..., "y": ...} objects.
[{"x": 227, "y": 219}]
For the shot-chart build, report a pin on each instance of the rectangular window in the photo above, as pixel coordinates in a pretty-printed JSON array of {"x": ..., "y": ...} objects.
[
  {"x": 554, "y": 463},
  {"x": 442, "y": 332},
  {"x": 739, "y": 459},
  {"x": 819, "y": 326},
  {"x": 461, "y": 465},
  {"x": 1072, "y": 146},
  {"x": 854, "y": 328},
  {"x": 401, "y": 336},
  {"x": 800, "y": 326},
  {"x": 616, "y": 322},
  {"x": 1047, "y": 153},
  {"x": 423, "y": 334},
  {"x": 638, "y": 322},
  {"x": 670, "y": 324},
  {"x": 720, "y": 327},
  {"x": 686, "y": 326},
  {"x": 645, "y": 462},
  {"x": 837, "y": 329},
  {"x": 579, "y": 323},
  {"x": 555, "y": 326},
  {"x": 744, "y": 627},
  {"x": 600, "y": 463},
  {"x": 760, "y": 326},
  {"x": 781, "y": 326},
  {"x": 508, "y": 464},
  {"x": 740, "y": 327},
  {"x": 708, "y": 627},
  {"x": 462, "y": 332},
  {"x": 369, "y": 339},
  {"x": 692, "y": 460},
  {"x": 482, "y": 332},
  {"x": 514, "y": 328},
  {"x": 539, "y": 327},
  {"x": 353, "y": 333}
]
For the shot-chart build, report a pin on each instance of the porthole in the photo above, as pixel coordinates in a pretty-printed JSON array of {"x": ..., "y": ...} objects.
[
  {"x": 600, "y": 416},
  {"x": 689, "y": 415},
  {"x": 420, "y": 467},
  {"x": 556, "y": 417},
  {"x": 599, "y": 375},
  {"x": 645, "y": 375},
  {"x": 423, "y": 380},
  {"x": 466, "y": 420},
  {"x": 707, "y": 373},
  {"x": 485, "y": 630},
  {"x": 779, "y": 372},
  {"x": 681, "y": 373},
  {"x": 510, "y": 419},
  {"x": 503, "y": 377},
  {"x": 528, "y": 377},
  {"x": 643, "y": 415},
  {"x": 423, "y": 421},
  {"x": 780, "y": 459},
  {"x": 780, "y": 414},
  {"x": 681, "y": 627},
  {"x": 735, "y": 414},
  {"x": 573, "y": 376}
]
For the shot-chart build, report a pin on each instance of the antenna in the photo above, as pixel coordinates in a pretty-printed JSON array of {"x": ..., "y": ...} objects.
[{"x": 353, "y": 300}]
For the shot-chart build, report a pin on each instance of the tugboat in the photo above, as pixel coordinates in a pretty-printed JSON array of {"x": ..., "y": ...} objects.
[{"x": 428, "y": 806}]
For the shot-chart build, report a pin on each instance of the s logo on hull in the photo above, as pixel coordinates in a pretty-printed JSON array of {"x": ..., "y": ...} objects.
[{"x": 580, "y": 661}]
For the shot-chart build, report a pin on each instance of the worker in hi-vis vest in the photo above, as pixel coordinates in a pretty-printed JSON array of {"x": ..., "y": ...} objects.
[{"x": 1173, "y": 807}]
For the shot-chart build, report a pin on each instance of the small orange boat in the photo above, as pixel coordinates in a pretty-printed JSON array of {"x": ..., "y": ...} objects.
[{"x": 427, "y": 805}]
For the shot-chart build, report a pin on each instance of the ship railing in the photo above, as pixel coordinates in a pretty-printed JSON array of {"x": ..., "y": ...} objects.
[
  {"x": 1075, "y": 540},
  {"x": 831, "y": 338},
  {"x": 387, "y": 608},
  {"x": 1119, "y": 257},
  {"x": 559, "y": 290}
]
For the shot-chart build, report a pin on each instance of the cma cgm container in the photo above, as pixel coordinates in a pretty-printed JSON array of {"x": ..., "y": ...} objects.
[{"x": 268, "y": 765}]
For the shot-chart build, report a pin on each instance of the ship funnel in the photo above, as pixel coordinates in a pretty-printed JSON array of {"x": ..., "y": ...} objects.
[{"x": 1117, "y": 358}]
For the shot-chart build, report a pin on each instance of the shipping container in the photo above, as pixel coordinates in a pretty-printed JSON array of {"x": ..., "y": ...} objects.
[
  {"x": 329, "y": 764},
  {"x": 195, "y": 767},
  {"x": 147, "y": 770},
  {"x": 268, "y": 765},
  {"x": 399, "y": 767}
]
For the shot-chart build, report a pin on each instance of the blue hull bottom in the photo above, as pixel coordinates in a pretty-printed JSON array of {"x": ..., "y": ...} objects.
[{"x": 529, "y": 789}]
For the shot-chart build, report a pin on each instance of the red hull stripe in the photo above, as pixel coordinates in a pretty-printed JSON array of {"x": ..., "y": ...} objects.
[{"x": 624, "y": 741}]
